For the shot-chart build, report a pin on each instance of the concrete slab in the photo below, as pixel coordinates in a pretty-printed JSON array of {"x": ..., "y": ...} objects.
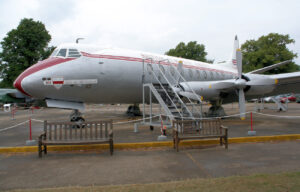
[{"x": 131, "y": 167}]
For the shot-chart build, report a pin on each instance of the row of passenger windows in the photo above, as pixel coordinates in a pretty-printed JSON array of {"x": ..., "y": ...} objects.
[
  {"x": 65, "y": 53},
  {"x": 192, "y": 73}
]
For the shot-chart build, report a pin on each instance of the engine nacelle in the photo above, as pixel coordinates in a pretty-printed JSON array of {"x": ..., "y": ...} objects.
[
  {"x": 260, "y": 84},
  {"x": 202, "y": 88}
]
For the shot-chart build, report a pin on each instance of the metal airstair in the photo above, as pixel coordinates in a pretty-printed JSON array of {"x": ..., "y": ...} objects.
[{"x": 163, "y": 86}]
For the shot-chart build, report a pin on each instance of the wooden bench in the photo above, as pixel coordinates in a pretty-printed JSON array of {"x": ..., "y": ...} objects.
[
  {"x": 71, "y": 133},
  {"x": 199, "y": 129}
]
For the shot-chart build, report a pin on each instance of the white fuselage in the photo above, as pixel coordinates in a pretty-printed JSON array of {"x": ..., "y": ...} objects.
[{"x": 110, "y": 75}]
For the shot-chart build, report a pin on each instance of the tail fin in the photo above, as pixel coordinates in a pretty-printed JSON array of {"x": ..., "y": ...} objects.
[
  {"x": 231, "y": 63},
  {"x": 235, "y": 47}
]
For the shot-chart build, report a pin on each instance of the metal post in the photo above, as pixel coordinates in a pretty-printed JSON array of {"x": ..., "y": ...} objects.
[
  {"x": 30, "y": 130},
  {"x": 150, "y": 105},
  {"x": 143, "y": 103},
  {"x": 143, "y": 83}
]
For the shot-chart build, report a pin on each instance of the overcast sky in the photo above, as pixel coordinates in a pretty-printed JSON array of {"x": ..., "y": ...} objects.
[{"x": 158, "y": 25}]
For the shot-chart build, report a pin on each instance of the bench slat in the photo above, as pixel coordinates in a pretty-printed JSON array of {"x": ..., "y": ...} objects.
[{"x": 75, "y": 142}]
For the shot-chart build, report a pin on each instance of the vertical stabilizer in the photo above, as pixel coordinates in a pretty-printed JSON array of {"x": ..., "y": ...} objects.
[{"x": 235, "y": 47}]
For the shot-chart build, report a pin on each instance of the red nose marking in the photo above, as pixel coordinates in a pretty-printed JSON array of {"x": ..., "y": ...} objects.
[{"x": 37, "y": 67}]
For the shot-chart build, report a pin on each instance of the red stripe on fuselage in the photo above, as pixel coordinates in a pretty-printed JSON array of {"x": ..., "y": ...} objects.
[
  {"x": 149, "y": 60},
  {"x": 37, "y": 67}
]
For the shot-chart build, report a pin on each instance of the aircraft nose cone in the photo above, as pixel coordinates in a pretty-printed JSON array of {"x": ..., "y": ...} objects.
[{"x": 19, "y": 84}]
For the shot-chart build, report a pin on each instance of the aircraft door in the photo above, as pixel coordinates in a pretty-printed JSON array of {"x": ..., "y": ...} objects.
[{"x": 148, "y": 70}]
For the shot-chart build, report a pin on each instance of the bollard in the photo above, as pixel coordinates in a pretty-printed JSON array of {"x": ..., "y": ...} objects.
[
  {"x": 13, "y": 113},
  {"x": 251, "y": 133},
  {"x": 30, "y": 130},
  {"x": 30, "y": 141},
  {"x": 163, "y": 136},
  {"x": 136, "y": 128}
]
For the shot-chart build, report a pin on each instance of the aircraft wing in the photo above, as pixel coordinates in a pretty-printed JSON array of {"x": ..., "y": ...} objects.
[
  {"x": 262, "y": 70},
  {"x": 287, "y": 83}
]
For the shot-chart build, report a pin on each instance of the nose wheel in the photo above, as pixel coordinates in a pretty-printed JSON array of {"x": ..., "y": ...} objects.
[{"x": 77, "y": 118}]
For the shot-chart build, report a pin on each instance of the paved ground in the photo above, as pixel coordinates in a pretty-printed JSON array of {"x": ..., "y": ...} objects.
[
  {"x": 264, "y": 125},
  {"x": 129, "y": 167}
]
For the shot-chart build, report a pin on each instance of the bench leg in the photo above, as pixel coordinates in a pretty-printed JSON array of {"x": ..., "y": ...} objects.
[
  {"x": 174, "y": 143},
  {"x": 40, "y": 150},
  {"x": 177, "y": 144},
  {"x": 226, "y": 138},
  {"x": 221, "y": 141},
  {"x": 226, "y": 142},
  {"x": 45, "y": 149},
  {"x": 111, "y": 146}
]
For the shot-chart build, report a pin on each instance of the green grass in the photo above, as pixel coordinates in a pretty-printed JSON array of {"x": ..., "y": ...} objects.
[{"x": 254, "y": 183}]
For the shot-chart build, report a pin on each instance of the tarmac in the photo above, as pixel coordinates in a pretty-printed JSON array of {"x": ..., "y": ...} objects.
[
  {"x": 124, "y": 133},
  {"x": 146, "y": 165}
]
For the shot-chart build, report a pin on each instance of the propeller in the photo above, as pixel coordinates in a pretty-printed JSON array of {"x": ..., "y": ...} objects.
[
  {"x": 240, "y": 84},
  {"x": 260, "y": 84}
]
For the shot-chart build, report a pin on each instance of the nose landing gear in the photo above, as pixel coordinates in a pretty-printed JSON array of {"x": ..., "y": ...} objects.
[{"x": 77, "y": 117}]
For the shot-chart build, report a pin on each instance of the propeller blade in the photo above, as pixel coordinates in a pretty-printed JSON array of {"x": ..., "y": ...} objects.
[
  {"x": 239, "y": 60},
  {"x": 242, "y": 104}
]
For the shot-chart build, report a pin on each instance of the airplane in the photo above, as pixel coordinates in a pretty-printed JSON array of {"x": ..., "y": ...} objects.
[{"x": 75, "y": 74}]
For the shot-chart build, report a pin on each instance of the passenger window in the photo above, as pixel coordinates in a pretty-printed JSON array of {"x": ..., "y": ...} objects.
[
  {"x": 211, "y": 75},
  {"x": 172, "y": 70},
  {"x": 162, "y": 69},
  {"x": 62, "y": 53},
  {"x": 191, "y": 73},
  {"x": 198, "y": 74},
  {"x": 205, "y": 74}
]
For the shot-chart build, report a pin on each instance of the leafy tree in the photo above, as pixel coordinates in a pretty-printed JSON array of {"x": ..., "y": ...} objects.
[
  {"x": 268, "y": 50},
  {"x": 21, "y": 48},
  {"x": 191, "y": 50}
]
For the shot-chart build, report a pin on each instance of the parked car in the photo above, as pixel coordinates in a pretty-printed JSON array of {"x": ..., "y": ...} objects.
[{"x": 289, "y": 98}]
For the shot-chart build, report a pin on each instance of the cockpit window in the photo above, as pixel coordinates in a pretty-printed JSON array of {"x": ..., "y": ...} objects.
[
  {"x": 54, "y": 53},
  {"x": 73, "y": 53},
  {"x": 62, "y": 53},
  {"x": 65, "y": 53}
]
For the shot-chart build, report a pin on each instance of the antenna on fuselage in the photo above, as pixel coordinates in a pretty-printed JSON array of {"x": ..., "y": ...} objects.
[{"x": 77, "y": 40}]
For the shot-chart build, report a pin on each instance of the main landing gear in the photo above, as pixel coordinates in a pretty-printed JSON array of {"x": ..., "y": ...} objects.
[
  {"x": 216, "y": 109},
  {"x": 134, "y": 110}
]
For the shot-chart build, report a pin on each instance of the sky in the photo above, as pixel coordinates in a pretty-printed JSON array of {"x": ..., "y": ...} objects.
[{"x": 158, "y": 25}]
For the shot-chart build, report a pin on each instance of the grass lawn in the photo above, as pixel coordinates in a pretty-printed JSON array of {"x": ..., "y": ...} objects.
[{"x": 254, "y": 183}]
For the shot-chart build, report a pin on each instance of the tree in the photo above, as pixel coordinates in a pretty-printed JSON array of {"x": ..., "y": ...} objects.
[
  {"x": 21, "y": 48},
  {"x": 191, "y": 50},
  {"x": 268, "y": 50}
]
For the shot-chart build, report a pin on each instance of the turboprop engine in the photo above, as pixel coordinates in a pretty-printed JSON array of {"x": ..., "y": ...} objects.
[{"x": 252, "y": 84}]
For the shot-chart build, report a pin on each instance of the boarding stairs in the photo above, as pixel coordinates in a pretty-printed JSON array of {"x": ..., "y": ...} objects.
[
  {"x": 280, "y": 106},
  {"x": 164, "y": 87}
]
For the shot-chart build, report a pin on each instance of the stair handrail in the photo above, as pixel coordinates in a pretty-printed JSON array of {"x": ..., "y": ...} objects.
[
  {"x": 200, "y": 101},
  {"x": 152, "y": 72},
  {"x": 172, "y": 87}
]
